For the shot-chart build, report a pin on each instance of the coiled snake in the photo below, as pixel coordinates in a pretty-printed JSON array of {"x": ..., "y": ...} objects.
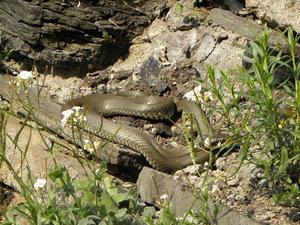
[{"x": 98, "y": 106}]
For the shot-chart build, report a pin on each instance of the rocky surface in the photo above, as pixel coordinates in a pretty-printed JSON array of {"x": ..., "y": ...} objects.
[
  {"x": 277, "y": 12},
  {"x": 37, "y": 159},
  {"x": 152, "y": 185},
  {"x": 173, "y": 62},
  {"x": 61, "y": 35},
  {"x": 242, "y": 190}
]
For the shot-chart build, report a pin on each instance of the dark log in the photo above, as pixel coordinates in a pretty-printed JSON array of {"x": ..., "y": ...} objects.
[{"x": 70, "y": 38}]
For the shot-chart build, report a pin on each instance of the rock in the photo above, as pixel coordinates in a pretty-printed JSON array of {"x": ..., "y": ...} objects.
[
  {"x": 221, "y": 163},
  {"x": 64, "y": 36},
  {"x": 270, "y": 214},
  {"x": 247, "y": 28},
  {"x": 176, "y": 130},
  {"x": 233, "y": 181},
  {"x": 241, "y": 194},
  {"x": 215, "y": 189},
  {"x": 36, "y": 160},
  {"x": 173, "y": 144},
  {"x": 182, "y": 16},
  {"x": 193, "y": 170},
  {"x": 163, "y": 130},
  {"x": 149, "y": 73},
  {"x": 162, "y": 55},
  {"x": 234, "y": 5},
  {"x": 5, "y": 67},
  {"x": 245, "y": 173},
  {"x": 266, "y": 217},
  {"x": 294, "y": 214},
  {"x": 101, "y": 88},
  {"x": 249, "y": 211},
  {"x": 263, "y": 184},
  {"x": 153, "y": 184},
  {"x": 277, "y": 12},
  {"x": 223, "y": 55}
]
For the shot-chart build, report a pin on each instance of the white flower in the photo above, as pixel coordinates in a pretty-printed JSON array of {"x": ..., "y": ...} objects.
[
  {"x": 89, "y": 146},
  {"x": 74, "y": 113},
  {"x": 207, "y": 142},
  {"x": 66, "y": 115},
  {"x": 39, "y": 184},
  {"x": 164, "y": 197},
  {"x": 78, "y": 114},
  {"x": 194, "y": 94},
  {"x": 208, "y": 96},
  {"x": 86, "y": 141},
  {"x": 25, "y": 75}
]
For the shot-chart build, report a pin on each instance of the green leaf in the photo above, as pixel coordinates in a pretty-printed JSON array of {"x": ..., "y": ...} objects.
[
  {"x": 57, "y": 172},
  {"x": 114, "y": 191},
  {"x": 122, "y": 212},
  {"x": 105, "y": 35},
  {"x": 288, "y": 90},
  {"x": 149, "y": 211},
  {"x": 256, "y": 49},
  {"x": 291, "y": 37},
  {"x": 109, "y": 204},
  {"x": 284, "y": 160},
  {"x": 86, "y": 221},
  {"x": 270, "y": 80},
  {"x": 179, "y": 8},
  {"x": 167, "y": 216}
]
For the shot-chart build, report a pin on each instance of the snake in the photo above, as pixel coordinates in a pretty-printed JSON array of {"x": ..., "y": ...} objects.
[{"x": 97, "y": 107}]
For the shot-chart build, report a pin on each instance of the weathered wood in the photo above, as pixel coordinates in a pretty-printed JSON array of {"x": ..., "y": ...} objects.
[
  {"x": 152, "y": 184},
  {"x": 48, "y": 114},
  {"x": 71, "y": 38}
]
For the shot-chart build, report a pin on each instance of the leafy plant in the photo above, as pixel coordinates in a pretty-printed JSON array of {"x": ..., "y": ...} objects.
[{"x": 264, "y": 115}]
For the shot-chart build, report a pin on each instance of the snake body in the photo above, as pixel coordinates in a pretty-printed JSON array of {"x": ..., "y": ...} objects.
[{"x": 98, "y": 106}]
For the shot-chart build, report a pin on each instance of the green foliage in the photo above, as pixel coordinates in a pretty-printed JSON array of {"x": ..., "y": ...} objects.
[
  {"x": 92, "y": 200},
  {"x": 4, "y": 52},
  {"x": 269, "y": 119},
  {"x": 277, "y": 121},
  {"x": 188, "y": 134}
]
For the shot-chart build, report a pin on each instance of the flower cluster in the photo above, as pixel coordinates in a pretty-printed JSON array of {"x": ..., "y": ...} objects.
[
  {"x": 39, "y": 184},
  {"x": 74, "y": 114},
  {"x": 90, "y": 146},
  {"x": 24, "y": 78},
  {"x": 197, "y": 94}
]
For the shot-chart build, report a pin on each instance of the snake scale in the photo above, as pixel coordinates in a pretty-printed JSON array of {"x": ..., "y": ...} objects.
[{"x": 98, "y": 106}]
